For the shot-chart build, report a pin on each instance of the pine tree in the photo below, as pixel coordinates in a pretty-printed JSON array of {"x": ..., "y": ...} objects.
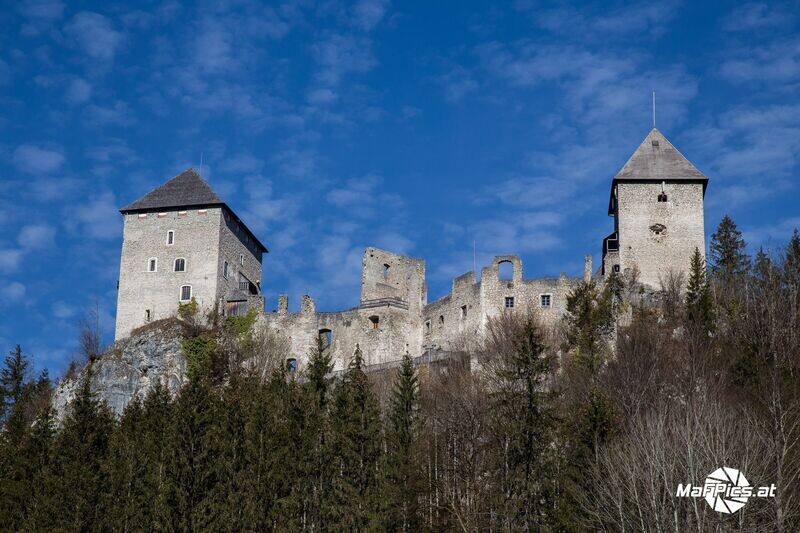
[
  {"x": 403, "y": 487},
  {"x": 791, "y": 264},
  {"x": 76, "y": 480},
  {"x": 589, "y": 321},
  {"x": 729, "y": 260},
  {"x": 699, "y": 305},
  {"x": 12, "y": 380},
  {"x": 525, "y": 423},
  {"x": 357, "y": 437}
]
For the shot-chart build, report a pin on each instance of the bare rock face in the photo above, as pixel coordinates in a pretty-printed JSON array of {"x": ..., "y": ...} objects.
[{"x": 131, "y": 367}]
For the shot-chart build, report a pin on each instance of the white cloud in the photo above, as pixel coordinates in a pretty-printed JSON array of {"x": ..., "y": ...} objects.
[
  {"x": 95, "y": 34},
  {"x": 37, "y": 160},
  {"x": 99, "y": 217},
  {"x": 756, "y": 16},
  {"x": 645, "y": 17},
  {"x": 63, "y": 310},
  {"x": 368, "y": 13},
  {"x": 78, "y": 91},
  {"x": 340, "y": 55},
  {"x": 36, "y": 236},
  {"x": 9, "y": 259},
  {"x": 776, "y": 62},
  {"x": 12, "y": 292}
]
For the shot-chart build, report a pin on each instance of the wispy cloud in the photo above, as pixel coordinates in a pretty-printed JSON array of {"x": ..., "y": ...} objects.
[
  {"x": 757, "y": 16},
  {"x": 35, "y": 159},
  {"x": 95, "y": 34}
]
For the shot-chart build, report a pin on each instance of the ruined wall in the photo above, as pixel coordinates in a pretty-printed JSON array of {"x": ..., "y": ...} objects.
[
  {"x": 659, "y": 237},
  {"x": 386, "y": 275},
  {"x": 240, "y": 251},
  {"x": 196, "y": 239}
]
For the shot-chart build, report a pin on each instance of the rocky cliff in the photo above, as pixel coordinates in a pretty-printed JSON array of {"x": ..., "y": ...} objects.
[{"x": 132, "y": 366}]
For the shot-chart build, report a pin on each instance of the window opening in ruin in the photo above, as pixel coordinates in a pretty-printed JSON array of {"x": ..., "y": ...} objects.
[
  {"x": 616, "y": 268},
  {"x": 180, "y": 265},
  {"x": 385, "y": 272},
  {"x": 662, "y": 197},
  {"x": 291, "y": 365},
  {"x": 658, "y": 229},
  {"x": 545, "y": 300},
  {"x": 147, "y": 315},
  {"x": 152, "y": 265},
  {"x": 241, "y": 259},
  {"x": 186, "y": 293},
  {"x": 463, "y": 312},
  {"x": 375, "y": 321},
  {"x": 509, "y": 302},
  {"x": 326, "y": 337},
  {"x": 225, "y": 270},
  {"x": 441, "y": 320},
  {"x": 505, "y": 270},
  {"x": 427, "y": 327},
  {"x": 170, "y": 237}
]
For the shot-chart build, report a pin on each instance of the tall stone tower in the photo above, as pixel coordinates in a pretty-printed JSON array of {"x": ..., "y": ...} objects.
[
  {"x": 657, "y": 204},
  {"x": 182, "y": 241}
]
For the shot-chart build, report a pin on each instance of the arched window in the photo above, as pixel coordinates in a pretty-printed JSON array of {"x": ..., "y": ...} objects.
[
  {"x": 180, "y": 265},
  {"x": 326, "y": 337},
  {"x": 152, "y": 265},
  {"x": 385, "y": 272},
  {"x": 505, "y": 271},
  {"x": 186, "y": 293},
  {"x": 170, "y": 237}
]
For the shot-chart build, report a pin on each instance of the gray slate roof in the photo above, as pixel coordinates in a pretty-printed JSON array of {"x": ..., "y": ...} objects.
[
  {"x": 656, "y": 159},
  {"x": 186, "y": 189}
]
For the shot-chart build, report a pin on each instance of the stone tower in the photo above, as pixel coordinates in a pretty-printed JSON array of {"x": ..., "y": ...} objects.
[
  {"x": 657, "y": 204},
  {"x": 182, "y": 241}
]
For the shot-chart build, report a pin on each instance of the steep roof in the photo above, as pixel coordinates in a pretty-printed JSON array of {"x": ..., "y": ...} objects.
[
  {"x": 656, "y": 159},
  {"x": 186, "y": 189}
]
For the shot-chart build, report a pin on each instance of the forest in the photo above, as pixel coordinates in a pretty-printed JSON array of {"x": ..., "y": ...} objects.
[{"x": 587, "y": 426}]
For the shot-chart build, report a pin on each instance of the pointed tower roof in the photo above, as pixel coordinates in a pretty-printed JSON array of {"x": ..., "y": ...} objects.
[
  {"x": 186, "y": 189},
  {"x": 656, "y": 159}
]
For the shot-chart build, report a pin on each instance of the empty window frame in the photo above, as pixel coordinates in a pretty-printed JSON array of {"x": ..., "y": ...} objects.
[
  {"x": 375, "y": 320},
  {"x": 170, "y": 238},
  {"x": 505, "y": 271},
  {"x": 325, "y": 337},
  {"x": 662, "y": 197},
  {"x": 180, "y": 265},
  {"x": 441, "y": 320},
  {"x": 226, "y": 270},
  {"x": 509, "y": 302},
  {"x": 385, "y": 272},
  {"x": 427, "y": 327},
  {"x": 291, "y": 365},
  {"x": 186, "y": 293},
  {"x": 545, "y": 300},
  {"x": 152, "y": 265},
  {"x": 616, "y": 268},
  {"x": 241, "y": 259},
  {"x": 147, "y": 315},
  {"x": 463, "y": 312}
]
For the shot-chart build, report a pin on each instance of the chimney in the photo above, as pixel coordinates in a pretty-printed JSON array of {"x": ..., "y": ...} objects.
[
  {"x": 283, "y": 304},
  {"x": 587, "y": 268}
]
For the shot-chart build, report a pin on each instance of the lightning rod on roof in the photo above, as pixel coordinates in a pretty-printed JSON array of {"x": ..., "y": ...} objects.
[
  {"x": 654, "y": 109},
  {"x": 200, "y": 170}
]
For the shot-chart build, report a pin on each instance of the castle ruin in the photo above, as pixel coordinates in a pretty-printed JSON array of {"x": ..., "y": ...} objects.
[{"x": 181, "y": 241}]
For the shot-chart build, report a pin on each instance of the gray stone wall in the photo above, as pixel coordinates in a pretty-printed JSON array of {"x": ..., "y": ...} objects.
[
  {"x": 237, "y": 248},
  {"x": 640, "y": 217},
  {"x": 196, "y": 239}
]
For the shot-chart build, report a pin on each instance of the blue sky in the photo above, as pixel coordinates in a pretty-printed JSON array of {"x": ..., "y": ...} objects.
[{"x": 419, "y": 127}]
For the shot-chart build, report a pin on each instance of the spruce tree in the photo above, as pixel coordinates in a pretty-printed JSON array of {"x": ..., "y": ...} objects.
[
  {"x": 403, "y": 484},
  {"x": 525, "y": 423},
  {"x": 699, "y": 305},
  {"x": 12, "y": 380},
  {"x": 729, "y": 259},
  {"x": 357, "y": 437},
  {"x": 791, "y": 263},
  {"x": 589, "y": 321}
]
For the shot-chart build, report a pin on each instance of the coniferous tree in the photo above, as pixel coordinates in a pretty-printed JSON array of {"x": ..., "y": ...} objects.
[
  {"x": 525, "y": 423},
  {"x": 357, "y": 437},
  {"x": 791, "y": 265},
  {"x": 589, "y": 321},
  {"x": 76, "y": 480},
  {"x": 12, "y": 380},
  {"x": 729, "y": 260},
  {"x": 403, "y": 484},
  {"x": 699, "y": 304}
]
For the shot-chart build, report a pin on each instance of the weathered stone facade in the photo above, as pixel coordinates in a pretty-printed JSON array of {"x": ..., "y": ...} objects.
[{"x": 657, "y": 204}]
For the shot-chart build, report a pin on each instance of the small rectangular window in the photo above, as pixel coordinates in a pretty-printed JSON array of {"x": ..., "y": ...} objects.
[
  {"x": 186, "y": 293},
  {"x": 509, "y": 302},
  {"x": 241, "y": 259},
  {"x": 544, "y": 300},
  {"x": 152, "y": 264},
  {"x": 463, "y": 312},
  {"x": 147, "y": 315},
  {"x": 225, "y": 270},
  {"x": 428, "y": 327},
  {"x": 170, "y": 237}
]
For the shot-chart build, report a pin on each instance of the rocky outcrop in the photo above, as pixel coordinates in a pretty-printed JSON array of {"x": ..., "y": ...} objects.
[{"x": 132, "y": 366}]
